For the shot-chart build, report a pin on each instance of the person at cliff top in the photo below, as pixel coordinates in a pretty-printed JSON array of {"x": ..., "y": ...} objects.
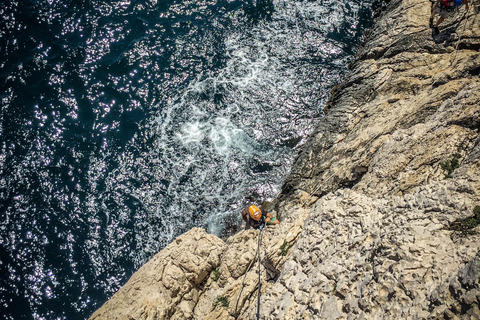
[
  {"x": 257, "y": 218},
  {"x": 444, "y": 8}
]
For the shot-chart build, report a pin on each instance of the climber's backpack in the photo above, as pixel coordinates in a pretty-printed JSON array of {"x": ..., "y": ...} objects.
[{"x": 450, "y": 5}]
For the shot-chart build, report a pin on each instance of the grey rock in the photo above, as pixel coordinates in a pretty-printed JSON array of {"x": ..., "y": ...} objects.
[{"x": 470, "y": 275}]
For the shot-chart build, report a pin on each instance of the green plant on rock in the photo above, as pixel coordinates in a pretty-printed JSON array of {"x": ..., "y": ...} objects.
[
  {"x": 470, "y": 223},
  {"x": 449, "y": 166},
  {"x": 215, "y": 274},
  {"x": 223, "y": 301},
  {"x": 285, "y": 247},
  {"x": 334, "y": 291},
  {"x": 474, "y": 221},
  {"x": 476, "y": 211},
  {"x": 463, "y": 227}
]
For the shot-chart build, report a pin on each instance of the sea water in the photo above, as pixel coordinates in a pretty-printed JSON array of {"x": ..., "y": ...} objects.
[{"x": 126, "y": 123}]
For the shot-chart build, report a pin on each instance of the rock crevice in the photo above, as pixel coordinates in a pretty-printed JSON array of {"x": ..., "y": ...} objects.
[{"x": 378, "y": 210}]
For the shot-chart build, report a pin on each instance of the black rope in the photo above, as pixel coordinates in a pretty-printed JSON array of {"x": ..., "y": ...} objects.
[
  {"x": 259, "y": 283},
  {"x": 236, "y": 313},
  {"x": 243, "y": 284},
  {"x": 461, "y": 35}
]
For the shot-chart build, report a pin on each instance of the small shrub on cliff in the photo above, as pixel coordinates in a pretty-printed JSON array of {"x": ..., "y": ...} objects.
[
  {"x": 215, "y": 274},
  {"x": 223, "y": 301},
  {"x": 470, "y": 223},
  {"x": 449, "y": 166},
  {"x": 463, "y": 227},
  {"x": 476, "y": 211},
  {"x": 285, "y": 247},
  {"x": 474, "y": 221}
]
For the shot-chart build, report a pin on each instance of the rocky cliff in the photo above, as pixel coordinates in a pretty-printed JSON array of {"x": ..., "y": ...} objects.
[{"x": 379, "y": 216}]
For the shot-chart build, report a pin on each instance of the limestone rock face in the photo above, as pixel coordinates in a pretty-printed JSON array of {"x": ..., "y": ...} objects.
[
  {"x": 393, "y": 258},
  {"x": 408, "y": 105},
  {"x": 169, "y": 285},
  {"x": 378, "y": 214}
]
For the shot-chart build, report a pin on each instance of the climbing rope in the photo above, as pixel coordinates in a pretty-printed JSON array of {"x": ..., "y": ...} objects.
[
  {"x": 259, "y": 283},
  {"x": 243, "y": 281},
  {"x": 461, "y": 36}
]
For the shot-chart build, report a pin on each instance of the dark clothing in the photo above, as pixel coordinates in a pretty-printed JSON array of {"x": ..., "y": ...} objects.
[
  {"x": 447, "y": 5},
  {"x": 251, "y": 223}
]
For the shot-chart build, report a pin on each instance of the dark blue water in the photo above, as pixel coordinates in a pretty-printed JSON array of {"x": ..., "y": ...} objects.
[{"x": 126, "y": 123}]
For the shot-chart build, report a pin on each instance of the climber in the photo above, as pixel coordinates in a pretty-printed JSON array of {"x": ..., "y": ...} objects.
[
  {"x": 257, "y": 218},
  {"x": 444, "y": 8}
]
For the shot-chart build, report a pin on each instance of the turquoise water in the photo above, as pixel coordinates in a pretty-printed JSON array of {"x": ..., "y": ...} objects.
[{"x": 126, "y": 123}]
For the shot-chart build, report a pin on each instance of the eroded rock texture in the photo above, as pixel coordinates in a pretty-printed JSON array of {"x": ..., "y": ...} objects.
[
  {"x": 408, "y": 104},
  {"x": 379, "y": 208},
  {"x": 169, "y": 285}
]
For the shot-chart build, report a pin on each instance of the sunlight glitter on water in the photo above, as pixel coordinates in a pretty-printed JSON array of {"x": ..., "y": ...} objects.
[{"x": 126, "y": 123}]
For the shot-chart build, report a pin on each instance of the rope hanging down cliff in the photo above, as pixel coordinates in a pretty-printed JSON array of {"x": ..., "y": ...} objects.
[
  {"x": 259, "y": 283},
  {"x": 461, "y": 36},
  {"x": 236, "y": 314}
]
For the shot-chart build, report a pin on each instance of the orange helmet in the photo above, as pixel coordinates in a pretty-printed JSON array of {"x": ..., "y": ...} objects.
[{"x": 255, "y": 212}]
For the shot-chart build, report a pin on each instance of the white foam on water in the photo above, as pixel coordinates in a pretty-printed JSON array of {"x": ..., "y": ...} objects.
[
  {"x": 266, "y": 97},
  {"x": 191, "y": 133},
  {"x": 225, "y": 137},
  {"x": 228, "y": 137},
  {"x": 226, "y": 126}
]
